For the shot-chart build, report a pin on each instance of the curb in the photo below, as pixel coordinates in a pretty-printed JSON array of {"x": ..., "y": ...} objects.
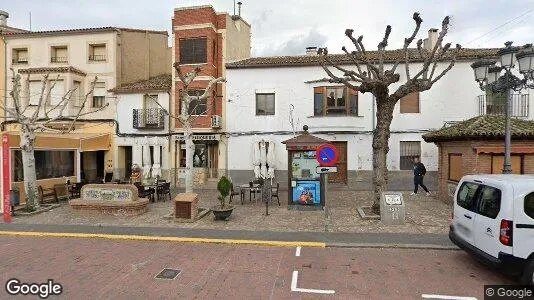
[
  {"x": 395, "y": 246},
  {"x": 163, "y": 238}
]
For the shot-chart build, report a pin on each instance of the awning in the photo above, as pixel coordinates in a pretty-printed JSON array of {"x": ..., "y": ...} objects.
[
  {"x": 500, "y": 150},
  {"x": 81, "y": 141},
  {"x": 95, "y": 143}
]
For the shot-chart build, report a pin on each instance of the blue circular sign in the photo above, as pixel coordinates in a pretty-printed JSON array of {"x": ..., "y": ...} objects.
[{"x": 327, "y": 155}]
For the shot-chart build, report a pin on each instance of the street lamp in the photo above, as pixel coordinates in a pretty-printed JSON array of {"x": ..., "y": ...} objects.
[{"x": 489, "y": 77}]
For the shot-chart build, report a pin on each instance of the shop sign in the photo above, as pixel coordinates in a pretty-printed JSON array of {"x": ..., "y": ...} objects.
[{"x": 201, "y": 137}]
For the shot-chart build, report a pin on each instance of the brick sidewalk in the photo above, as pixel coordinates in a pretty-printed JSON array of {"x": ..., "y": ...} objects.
[
  {"x": 109, "y": 269},
  {"x": 424, "y": 215}
]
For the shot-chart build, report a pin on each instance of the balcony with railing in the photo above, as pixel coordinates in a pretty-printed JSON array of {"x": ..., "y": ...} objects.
[
  {"x": 97, "y": 58},
  {"x": 58, "y": 59},
  {"x": 149, "y": 118},
  {"x": 495, "y": 105},
  {"x": 19, "y": 60}
]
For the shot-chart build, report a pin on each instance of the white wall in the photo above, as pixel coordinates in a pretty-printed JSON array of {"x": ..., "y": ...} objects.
[
  {"x": 39, "y": 53},
  {"x": 126, "y": 103},
  {"x": 453, "y": 98}
]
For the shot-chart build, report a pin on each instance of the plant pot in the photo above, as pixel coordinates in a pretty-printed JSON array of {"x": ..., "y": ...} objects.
[{"x": 222, "y": 213}]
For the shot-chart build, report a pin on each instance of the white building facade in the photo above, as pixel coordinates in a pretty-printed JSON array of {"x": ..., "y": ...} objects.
[
  {"x": 270, "y": 98},
  {"x": 143, "y": 134}
]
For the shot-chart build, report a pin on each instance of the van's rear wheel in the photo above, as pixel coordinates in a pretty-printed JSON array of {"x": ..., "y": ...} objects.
[{"x": 528, "y": 274}]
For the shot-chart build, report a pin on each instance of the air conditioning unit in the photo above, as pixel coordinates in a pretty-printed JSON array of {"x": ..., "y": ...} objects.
[{"x": 215, "y": 121}]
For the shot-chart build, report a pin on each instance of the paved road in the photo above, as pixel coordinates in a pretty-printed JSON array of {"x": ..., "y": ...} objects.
[
  {"x": 331, "y": 239},
  {"x": 112, "y": 269}
]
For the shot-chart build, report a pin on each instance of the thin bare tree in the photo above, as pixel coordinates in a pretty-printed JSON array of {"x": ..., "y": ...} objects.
[
  {"x": 186, "y": 119},
  {"x": 371, "y": 75},
  {"x": 40, "y": 118}
]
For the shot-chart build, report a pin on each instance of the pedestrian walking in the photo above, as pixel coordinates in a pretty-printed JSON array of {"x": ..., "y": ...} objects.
[{"x": 419, "y": 172}]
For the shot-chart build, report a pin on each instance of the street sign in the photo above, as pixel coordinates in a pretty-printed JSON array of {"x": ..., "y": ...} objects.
[
  {"x": 324, "y": 170},
  {"x": 327, "y": 155}
]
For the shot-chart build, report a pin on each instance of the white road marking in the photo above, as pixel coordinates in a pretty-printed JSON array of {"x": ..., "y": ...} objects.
[
  {"x": 297, "y": 252},
  {"x": 426, "y": 296},
  {"x": 294, "y": 287}
]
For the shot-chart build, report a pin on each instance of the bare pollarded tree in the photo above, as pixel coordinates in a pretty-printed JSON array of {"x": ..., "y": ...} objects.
[
  {"x": 372, "y": 76},
  {"x": 39, "y": 118},
  {"x": 186, "y": 119}
]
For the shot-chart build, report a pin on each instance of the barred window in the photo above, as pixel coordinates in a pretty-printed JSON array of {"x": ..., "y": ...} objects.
[{"x": 408, "y": 152}]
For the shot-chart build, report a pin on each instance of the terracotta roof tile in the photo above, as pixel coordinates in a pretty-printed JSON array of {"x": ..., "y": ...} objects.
[
  {"x": 157, "y": 83},
  {"x": 483, "y": 127},
  {"x": 68, "y": 69},
  {"x": 315, "y": 60},
  {"x": 76, "y": 31},
  {"x": 305, "y": 138},
  {"x": 8, "y": 29}
]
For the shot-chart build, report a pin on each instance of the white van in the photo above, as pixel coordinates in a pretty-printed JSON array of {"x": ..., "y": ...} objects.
[{"x": 494, "y": 219}]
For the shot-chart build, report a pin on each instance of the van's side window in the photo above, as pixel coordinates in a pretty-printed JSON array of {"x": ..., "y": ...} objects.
[
  {"x": 489, "y": 204},
  {"x": 466, "y": 195},
  {"x": 529, "y": 205}
]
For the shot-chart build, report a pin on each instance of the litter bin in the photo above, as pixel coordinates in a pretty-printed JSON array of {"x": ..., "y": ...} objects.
[{"x": 14, "y": 197}]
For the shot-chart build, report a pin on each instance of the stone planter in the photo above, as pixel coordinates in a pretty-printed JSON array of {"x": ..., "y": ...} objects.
[{"x": 222, "y": 213}]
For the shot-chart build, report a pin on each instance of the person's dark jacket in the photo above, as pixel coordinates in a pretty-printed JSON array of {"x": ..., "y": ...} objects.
[{"x": 419, "y": 169}]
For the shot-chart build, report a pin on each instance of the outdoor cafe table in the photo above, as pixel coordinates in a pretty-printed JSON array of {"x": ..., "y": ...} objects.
[
  {"x": 155, "y": 187},
  {"x": 247, "y": 187}
]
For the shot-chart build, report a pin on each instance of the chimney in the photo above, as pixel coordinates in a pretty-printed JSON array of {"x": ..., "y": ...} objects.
[
  {"x": 3, "y": 18},
  {"x": 310, "y": 51},
  {"x": 432, "y": 39},
  {"x": 239, "y": 8}
]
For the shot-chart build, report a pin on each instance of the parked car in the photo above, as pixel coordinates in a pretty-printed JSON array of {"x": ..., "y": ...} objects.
[{"x": 493, "y": 219}]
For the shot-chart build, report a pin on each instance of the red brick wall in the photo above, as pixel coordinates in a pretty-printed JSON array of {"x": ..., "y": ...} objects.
[
  {"x": 213, "y": 67},
  {"x": 203, "y": 121},
  {"x": 195, "y": 16},
  {"x": 473, "y": 163}
]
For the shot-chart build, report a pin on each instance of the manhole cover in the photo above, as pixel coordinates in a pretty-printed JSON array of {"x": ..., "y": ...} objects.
[{"x": 168, "y": 273}]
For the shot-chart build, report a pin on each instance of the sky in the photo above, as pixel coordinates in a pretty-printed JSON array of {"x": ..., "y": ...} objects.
[{"x": 287, "y": 27}]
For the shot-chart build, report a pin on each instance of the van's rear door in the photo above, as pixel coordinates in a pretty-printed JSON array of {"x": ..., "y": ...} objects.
[
  {"x": 464, "y": 215},
  {"x": 524, "y": 224}
]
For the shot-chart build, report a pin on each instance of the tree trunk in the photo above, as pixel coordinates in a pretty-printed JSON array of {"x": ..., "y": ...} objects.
[
  {"x": 27, "y": 140},
  {"x": 189, "y": 151},
  {"x": 384, "y": 116}
]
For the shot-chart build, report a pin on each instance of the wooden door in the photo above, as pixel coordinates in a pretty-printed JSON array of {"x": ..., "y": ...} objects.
[
  {"x": 341, "y": 175},
  {"x": 213, "y": 163}
]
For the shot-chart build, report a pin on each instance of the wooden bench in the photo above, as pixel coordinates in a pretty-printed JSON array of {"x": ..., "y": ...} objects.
[{"x": 47, "y": 195}]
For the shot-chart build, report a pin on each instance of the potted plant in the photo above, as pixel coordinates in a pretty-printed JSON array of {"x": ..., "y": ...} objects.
[{"x": 223, "y": 211}]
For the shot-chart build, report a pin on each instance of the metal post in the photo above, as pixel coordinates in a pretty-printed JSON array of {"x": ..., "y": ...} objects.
[{"x": 507, "y": 167}]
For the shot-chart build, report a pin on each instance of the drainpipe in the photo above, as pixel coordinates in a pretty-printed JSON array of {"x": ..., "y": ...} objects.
[{"x": 373, "y": 114}]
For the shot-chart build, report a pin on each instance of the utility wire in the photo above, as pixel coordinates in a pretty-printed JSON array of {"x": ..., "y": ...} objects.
[
  {"x": 500, "y": 26},
  {"x": 503, "y": 31}
]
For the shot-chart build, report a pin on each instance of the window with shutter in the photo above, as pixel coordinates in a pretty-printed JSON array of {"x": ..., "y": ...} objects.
[
  {"x": 35, "y": 92},
  {"x": 99, "y": 94},
  {"x": 57, "y": 92},
  {"x": 193, "y": 51},
  {"x": 97, "y": 52},
  {"x": 455, "y": 167},
  {"x": 318, "y": 101},
  {"x": 410, "y": 103},
  {"x": 77, "y": 94},
  {"x": 409, "y": 151},
  {"x": 197, "y": 107}
]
